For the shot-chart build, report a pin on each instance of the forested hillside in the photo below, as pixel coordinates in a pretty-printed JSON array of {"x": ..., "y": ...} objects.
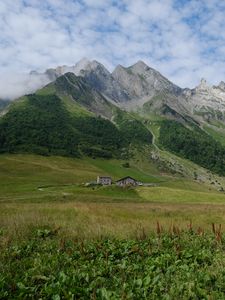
[
  {"x": 42, "y": 124},
  {"x": 193, "y": 144}
]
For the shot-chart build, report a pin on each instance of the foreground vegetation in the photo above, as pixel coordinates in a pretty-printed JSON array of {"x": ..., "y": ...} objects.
[{"x": 174, "y": 265}]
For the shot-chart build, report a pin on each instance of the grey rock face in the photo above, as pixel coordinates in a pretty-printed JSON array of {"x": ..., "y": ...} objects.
[
  {"x": 143, "y": 83},
  {"x": 137, "y": 85},
  {"x": 97, "y": 77},
  {"x": 77, "y": 89},
  {"x": 222, "y": 85},
  {"x": 101, "y": 79},
  {"x": 206, "y": 100},
  {"x": 128, "y": 87}
]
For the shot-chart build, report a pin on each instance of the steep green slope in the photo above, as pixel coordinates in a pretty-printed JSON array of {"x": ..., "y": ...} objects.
[
  {"x": 60, "y": 119},
  {"x": 132, "y": 128},
  {"x": 77, "y": 89},
  {"x": 43, "y": 125},
  {"x": 216, "y": 130},
  {"x": 193, "y": 144},
  {"x": 40, "y": 125}
]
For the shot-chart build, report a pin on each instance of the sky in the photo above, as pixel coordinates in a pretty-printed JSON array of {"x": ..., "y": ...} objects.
[{"x": 182, "y": 39}]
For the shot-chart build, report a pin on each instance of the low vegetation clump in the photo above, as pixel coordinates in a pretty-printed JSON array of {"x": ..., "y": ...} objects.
[
  {"x": 194, "y": 144},
  {"x": 172, "y": 265}
]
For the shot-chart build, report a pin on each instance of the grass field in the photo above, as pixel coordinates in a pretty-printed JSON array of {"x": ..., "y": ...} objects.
[
  {"x": 60, "y": 239},
  {"x": 49, "y": 191}
]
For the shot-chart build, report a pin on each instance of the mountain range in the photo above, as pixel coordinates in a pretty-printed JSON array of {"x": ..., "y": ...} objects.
[
  {"x": 86, "y": 110},
  {"x": 137, "y": 86},
  {"x": 133, "y": 86}
]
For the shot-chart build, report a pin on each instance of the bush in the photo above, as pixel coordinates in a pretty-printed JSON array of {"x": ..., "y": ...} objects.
[{"x": 126, "y": 165}]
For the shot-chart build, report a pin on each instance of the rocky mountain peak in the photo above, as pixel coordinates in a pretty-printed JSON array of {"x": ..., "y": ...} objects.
[
  {"x": 206, "y": 101},
  {"x": 82, "y": 64},
  {"x": 142, "y": 82},
  {"x": 93, "y": 66},
  {"x": 140, "y": 63},
  {"x": 99, "y": 78},
  {"x": 203, "y": 84},
  {"x": 118, "y": 68},
  {"x": 203, "y": 81},
  {"x": 139, "y": 67},
  {"x": 222, "y": 85}
]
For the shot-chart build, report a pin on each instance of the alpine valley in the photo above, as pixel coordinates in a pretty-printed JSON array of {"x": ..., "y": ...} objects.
[
  {"x": 133, "y": 113},
  {"x": 151, "y": 226}
]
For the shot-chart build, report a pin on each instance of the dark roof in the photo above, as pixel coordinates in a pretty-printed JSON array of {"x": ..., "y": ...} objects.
[
  {"x": 104, "y": 177},
  {"x": 126, "y": 178}
]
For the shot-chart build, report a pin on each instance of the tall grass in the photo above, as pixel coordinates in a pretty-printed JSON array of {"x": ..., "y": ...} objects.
[{"x": 93, "y": 220}]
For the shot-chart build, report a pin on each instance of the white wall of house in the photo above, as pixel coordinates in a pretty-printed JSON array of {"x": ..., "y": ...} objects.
[{"x": 104, "y": 180}]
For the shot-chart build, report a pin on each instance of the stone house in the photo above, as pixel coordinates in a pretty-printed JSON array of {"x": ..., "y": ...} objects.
[
  {"x": 104, "y": 180},
  {"x": 127, "y": 181}
]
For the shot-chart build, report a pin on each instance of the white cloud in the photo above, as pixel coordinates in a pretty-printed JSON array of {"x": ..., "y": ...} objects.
[
  {"x": 20, "y": 84},
  {"x": 184, "y": 40}
]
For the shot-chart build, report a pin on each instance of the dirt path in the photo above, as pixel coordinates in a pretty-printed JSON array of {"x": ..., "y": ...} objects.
[{"x": 153, "y": 141}]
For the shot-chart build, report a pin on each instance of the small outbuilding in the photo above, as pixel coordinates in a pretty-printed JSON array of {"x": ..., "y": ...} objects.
[
  {"x": 125, "y": 181},
  {"x": 104, "y": 180}
]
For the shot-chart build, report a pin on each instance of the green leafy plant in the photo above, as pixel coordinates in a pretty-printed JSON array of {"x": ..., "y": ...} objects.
[{"x": 165, "y": 265}]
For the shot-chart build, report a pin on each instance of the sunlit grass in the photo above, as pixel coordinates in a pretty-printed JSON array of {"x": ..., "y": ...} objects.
[
  {"x": 174, "y": 195},
  {"x": 93, "y": 220},
  {"x": 38, "y": 191}
]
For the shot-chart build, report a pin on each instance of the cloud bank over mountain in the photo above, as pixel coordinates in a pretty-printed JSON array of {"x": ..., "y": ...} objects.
[{"x": 184, "y": 39}]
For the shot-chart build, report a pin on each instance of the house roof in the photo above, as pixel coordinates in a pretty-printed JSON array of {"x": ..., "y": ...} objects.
[
  {"x": 105, "y": 177},
  {"x": 126, "y": 178}
]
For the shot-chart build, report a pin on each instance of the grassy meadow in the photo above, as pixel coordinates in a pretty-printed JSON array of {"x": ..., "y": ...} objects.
[
  {"x": 61, "y": 239},
  {"x": 50, "y": 191}
]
